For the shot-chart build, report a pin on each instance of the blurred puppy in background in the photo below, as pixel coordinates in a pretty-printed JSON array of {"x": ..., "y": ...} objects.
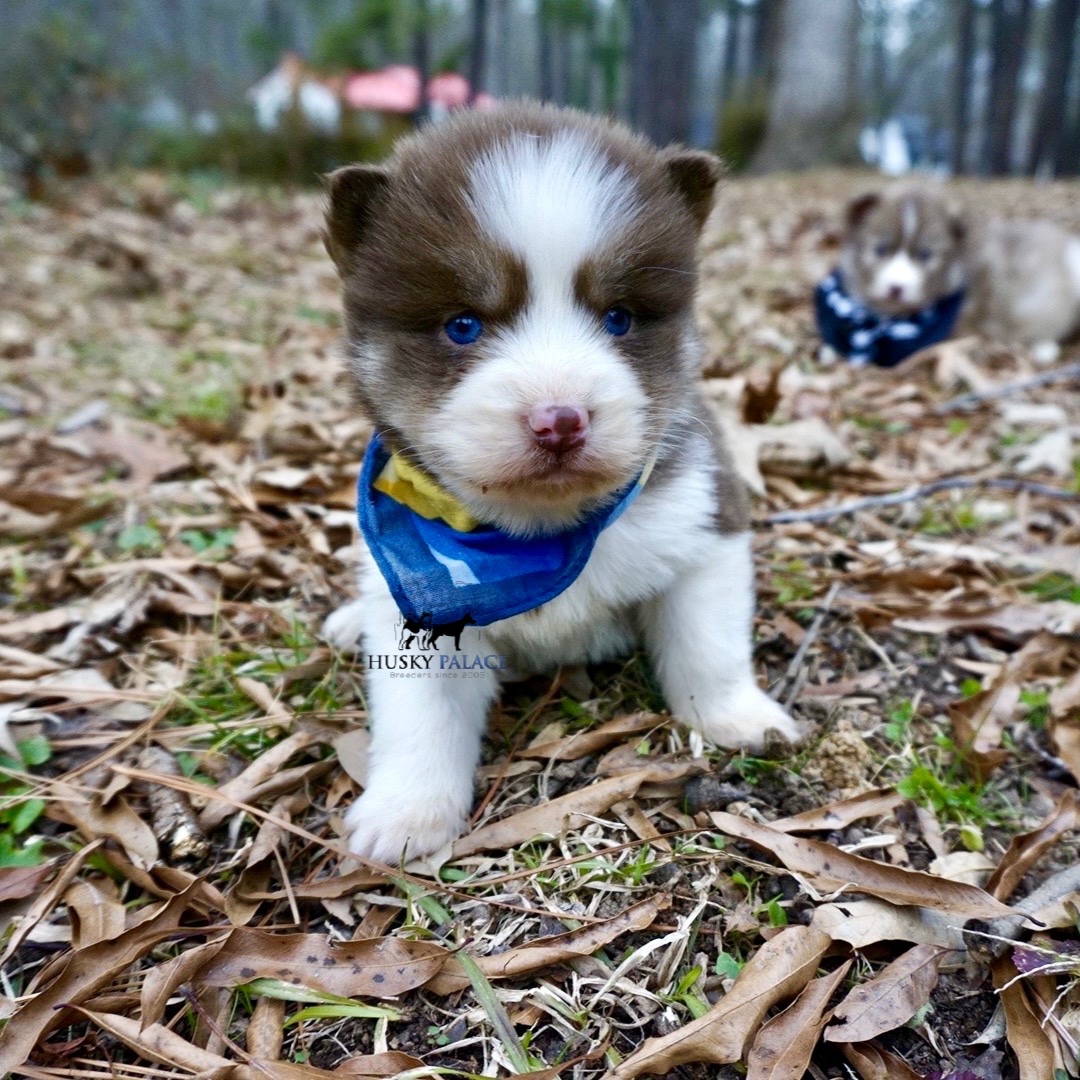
[{"x": 906, "y": 251}]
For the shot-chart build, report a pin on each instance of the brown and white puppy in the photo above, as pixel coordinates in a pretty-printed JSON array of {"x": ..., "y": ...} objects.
[
  {"x": 906, "y": 248},
  {"x": 567, "y": 244}
]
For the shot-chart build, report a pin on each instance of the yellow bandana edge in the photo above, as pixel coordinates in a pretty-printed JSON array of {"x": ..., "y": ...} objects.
[{"x": 412, "y": 487}]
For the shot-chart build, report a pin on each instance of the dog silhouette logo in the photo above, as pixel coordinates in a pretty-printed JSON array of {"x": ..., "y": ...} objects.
[{"x": 425, "y": 634}]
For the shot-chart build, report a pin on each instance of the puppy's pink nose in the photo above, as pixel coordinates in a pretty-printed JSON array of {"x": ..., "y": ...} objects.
[{"x": 559, "y": 427}]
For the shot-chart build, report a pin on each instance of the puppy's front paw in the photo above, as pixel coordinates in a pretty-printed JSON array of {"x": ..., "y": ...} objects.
[
  {"x": 382, "y": 826},
  {"x": 743, "y": 718},
  {"x": 342, "y": 627}
]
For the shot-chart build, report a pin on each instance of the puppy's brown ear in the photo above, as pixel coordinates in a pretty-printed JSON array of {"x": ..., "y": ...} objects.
[
  {"x": 859, "y": 207},
  {"x": 695, "y": 175},
  {"x": 353, "y": 191}
]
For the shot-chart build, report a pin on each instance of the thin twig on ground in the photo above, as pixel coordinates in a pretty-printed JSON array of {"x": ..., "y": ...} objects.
[
  {"x": 920, "y": 491},
  {"x": 791, "y": 676},
  {"x": 1045, "y": 378}
]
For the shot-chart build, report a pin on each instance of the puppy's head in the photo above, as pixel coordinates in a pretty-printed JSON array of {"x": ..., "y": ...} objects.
[
  {"x": 903, "y": 249},
  {"x": 518, "y": 289}
]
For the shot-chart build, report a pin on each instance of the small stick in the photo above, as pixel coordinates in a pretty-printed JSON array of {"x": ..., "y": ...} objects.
[
  {"x": 966, "y": 401},
  {"x": 1004, "y": 933},
  {"x": 791, "y": 676},
  {"x": 919, "y": 491}
]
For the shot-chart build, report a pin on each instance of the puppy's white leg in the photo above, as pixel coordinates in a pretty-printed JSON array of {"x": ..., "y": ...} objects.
[
  {"x": 699, "y": 636},
  {"x": 425, "y": 741}
]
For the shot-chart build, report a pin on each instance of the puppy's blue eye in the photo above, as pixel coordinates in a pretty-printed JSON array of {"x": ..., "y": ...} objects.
[
  {"x": 464, "y": 329},
  {"x": 617, "y": 321},
  {"x": 882, "y": 250}
]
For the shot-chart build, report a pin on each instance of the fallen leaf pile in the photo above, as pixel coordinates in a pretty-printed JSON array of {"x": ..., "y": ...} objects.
[{"x": 898, "y": 897}]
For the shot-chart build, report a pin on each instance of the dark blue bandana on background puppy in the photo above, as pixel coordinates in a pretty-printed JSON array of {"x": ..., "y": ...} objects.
[
  {"x": 443, "y": 567},
  {"x": 865, "y": 337}
]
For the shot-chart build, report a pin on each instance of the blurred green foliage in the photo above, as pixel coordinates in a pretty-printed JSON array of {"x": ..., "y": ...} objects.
[
  {"x": 295, "y": 152},
  {"x": 61, "y": 100},
  {"x": 741, "y": 128}
]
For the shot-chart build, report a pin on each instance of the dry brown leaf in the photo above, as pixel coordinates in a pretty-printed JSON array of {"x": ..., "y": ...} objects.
[
  {"x": 1065, "y": 737},
  {"x": 361, "y": 1067},
  {"x": 568, "y": 811},
  {"x": 18, "y": 882},
  {"x": 1030, "y": 1041},
  {"x": 389, "y": 1063},
  {"x": 1065, "y": 698},
  {"x": 592, "y": 740},
  {"x": 839, "y": 815},
  {"x": 46, "y": 900},
  {"x": 779, "y": 969},
  {"x": 158, "y": 1043},
  {"x": 375, "y": 967},
  {"x": 243, "y": 788},
  {"x": 265, "y": 1034},
  {"x": 330, "y": 888},
  {"x": 1063, "y": 914},
  {"x": 874, "y": 1063},
  {"x": 784, "y": 1045},
  {"x": 544, "y": 952},
  {"x": 163, "y": 980},
  {"x": 114, "y": 820},
  {"x": 866, "y": 922},
  {"x": 96, "y": 913},
  {"x": 147, "y": 455},
  {"x": 1026, "y": 849},
  {"x": 82, "y": 975},
  {"x": 240, "y": 905},
  {"x": 891, "y": 998},
  {"x": 978, "y": 722},
  {"x": 830, "y": 868}
]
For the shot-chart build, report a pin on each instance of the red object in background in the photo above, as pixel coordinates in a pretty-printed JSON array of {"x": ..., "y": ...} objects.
[{"x": 397, "y": 89}]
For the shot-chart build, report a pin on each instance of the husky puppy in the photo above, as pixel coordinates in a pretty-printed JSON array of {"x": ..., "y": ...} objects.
[
  {"x": 905, "y": 249},
  {"x": 518, "y": 290}
]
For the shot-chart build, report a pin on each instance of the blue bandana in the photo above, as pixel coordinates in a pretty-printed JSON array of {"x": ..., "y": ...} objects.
[
  {"x": 865, "y": 337},
  {"x": 440, "y": 575}
]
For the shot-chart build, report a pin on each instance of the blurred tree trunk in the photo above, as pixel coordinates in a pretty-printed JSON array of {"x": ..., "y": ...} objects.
[
  {"x": 1067, "y": 157},
  {"x": 594, "y": 85},
  {"x": 813, "y": 118},
  {"x": 547, "y": 51},
  {"x": 663, "y": 45},
  {"x": 1008, "y": 48},
  {"x": 500, "y": 49},
  {"x": 732, "y": 37},
  {"x": 422, "y": 59},
  {"x": 962, "y": 73},
  {"x": 763, "y": 43},
  {"x": 877, "y": 17},
  {"x": 563, "y": 63},
  {"x": 478, "y": 48},
  {"x": 1050, "y": 118}
]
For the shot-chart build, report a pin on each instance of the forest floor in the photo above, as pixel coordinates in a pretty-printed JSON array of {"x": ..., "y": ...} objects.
[{"x": 176, "y": 488}]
